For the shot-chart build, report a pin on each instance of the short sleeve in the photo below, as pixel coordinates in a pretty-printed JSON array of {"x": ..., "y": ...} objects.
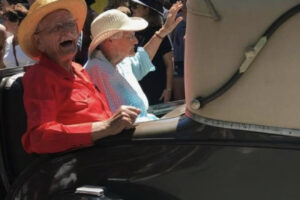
[
  {"x": 140, "y": 63},
  {"x": 165, "y": 46}
]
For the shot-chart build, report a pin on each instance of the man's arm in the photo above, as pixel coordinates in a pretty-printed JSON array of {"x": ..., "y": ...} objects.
[
  {"x": 123, "y": 118},
  {"x": 51, "y": 137},
  {"x": 46, "y": 135}
]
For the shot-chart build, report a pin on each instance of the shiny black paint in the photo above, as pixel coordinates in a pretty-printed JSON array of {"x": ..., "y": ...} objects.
[{"x": 190, "y": 162}]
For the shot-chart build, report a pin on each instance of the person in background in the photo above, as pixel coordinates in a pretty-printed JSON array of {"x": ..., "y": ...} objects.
[
  {"x": 2, "y": 44},
  {"x": 30, "y": 2},
  {"x": 14, "y": 56},
  {"x": 157, "y": 85},
  {"x": 114, "y": 4},
  {"x": 4, "y": 5},
  {"x": 125, "y": 10},
  {"x": 64, "y": 109},
  {"x": 82, "y": 53},
  {"x": 114, "y": 40},
  {"x": 178, "y": 45},
  {"x": 122, "y": 5}
]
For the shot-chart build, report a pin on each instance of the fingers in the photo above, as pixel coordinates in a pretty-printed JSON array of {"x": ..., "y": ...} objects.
[
  {"x": 161, "y": 97},
  {"x": 129, "y": 109},
  {"x": 165, "y": 96},
  {"x": 126, "y": 115},
  {"x": 176, "y": 7},
  {"x": 132, "y": 109},
  {"x": 172, "y": 21},
  {"x": 125, "y": 121},
  {"x": 178, "y": 20}
]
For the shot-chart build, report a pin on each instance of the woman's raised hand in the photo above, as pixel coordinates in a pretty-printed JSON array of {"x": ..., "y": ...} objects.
[{"x": 172, "y": 19}]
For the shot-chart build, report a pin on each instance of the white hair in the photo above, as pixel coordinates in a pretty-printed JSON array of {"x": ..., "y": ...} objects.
[{"x": 117, "y": 35}]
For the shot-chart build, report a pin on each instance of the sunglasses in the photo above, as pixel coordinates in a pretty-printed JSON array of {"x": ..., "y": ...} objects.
[
  {"x": 133, "y": 5},
  {"x": 12, "y": 17}
]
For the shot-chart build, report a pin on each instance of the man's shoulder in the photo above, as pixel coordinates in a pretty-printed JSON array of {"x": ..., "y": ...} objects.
[{"x": 37, "y": 73}]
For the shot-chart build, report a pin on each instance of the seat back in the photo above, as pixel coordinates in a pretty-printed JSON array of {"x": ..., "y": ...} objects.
[{"x": 13, "y": 124}]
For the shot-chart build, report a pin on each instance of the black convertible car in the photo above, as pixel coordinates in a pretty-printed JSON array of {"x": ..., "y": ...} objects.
[{"x": 237, "y": 137}]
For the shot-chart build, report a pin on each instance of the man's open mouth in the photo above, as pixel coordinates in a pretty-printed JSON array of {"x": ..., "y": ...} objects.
[
  {"x": 67, "y": 43},
  {"x": 68, "y": 46}
]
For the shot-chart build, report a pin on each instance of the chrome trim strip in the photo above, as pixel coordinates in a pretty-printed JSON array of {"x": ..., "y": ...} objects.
[{"x": 244, "y": 126}]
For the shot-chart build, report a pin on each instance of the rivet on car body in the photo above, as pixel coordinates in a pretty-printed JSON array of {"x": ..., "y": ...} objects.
[{"x": 195, "y": 104}]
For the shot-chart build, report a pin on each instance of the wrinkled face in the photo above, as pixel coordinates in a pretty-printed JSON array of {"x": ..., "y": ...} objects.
[
  {"x": 126, "y": 44},
  {"x": 56, "y": 36},
  {"x": 138, "y": 10}
]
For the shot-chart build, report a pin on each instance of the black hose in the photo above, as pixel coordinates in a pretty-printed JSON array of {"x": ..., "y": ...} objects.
[{"x": 237, "y": 75}]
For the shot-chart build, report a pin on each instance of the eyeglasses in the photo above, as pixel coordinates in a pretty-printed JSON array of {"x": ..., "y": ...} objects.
[
  {"x": 129, "y": 36},
  {"x": 69, "y": 25}
]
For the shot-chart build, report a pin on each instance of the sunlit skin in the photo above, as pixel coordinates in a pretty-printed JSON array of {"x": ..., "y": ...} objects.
[
  {"x": 118, "y": 49},
  {"x": 60, "y": 46},
  {"x": 125, "y": 10},
  {"x": 127, "y": 44}
]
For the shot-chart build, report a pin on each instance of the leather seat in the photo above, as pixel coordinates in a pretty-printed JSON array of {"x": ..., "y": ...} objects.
[{"x": 13, "y": 125}]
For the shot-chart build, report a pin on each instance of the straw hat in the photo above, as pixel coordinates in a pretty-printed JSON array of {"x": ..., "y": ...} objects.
[
  {"x": 110, "y": 22},
  {"x": 38, "y": 11}
]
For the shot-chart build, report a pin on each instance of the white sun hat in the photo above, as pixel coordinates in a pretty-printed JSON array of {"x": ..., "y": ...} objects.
[{"x": 109, "y": 23}]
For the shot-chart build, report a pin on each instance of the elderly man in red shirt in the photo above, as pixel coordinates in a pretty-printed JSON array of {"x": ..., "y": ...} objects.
[{"x": 64, "y": 109}]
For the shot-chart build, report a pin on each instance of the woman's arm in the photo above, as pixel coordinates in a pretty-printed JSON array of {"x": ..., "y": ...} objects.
[
  {"x": 153, "y": 44},
  {"x": 166, "y": 95}
]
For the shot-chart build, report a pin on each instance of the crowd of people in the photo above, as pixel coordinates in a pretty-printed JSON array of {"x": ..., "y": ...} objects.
[{"x": 127, "y": 56}]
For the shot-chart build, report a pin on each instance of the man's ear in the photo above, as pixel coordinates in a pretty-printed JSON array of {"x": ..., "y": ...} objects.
[{"x": 37, "y": 42}]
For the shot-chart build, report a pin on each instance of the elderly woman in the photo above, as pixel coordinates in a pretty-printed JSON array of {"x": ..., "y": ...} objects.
[
  {"x": 64, "y": 109},
  {"x": 14, "y": 56},
  {"x": 114, "y": 40}
]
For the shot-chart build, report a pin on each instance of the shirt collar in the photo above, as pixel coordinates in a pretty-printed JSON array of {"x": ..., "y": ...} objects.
[
  {"x": 99, "y": 55},
  {"x": 48, "y": 63}
]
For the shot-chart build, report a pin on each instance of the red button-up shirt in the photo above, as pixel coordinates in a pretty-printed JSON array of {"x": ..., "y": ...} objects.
[{"x": 60, "y": 107}]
